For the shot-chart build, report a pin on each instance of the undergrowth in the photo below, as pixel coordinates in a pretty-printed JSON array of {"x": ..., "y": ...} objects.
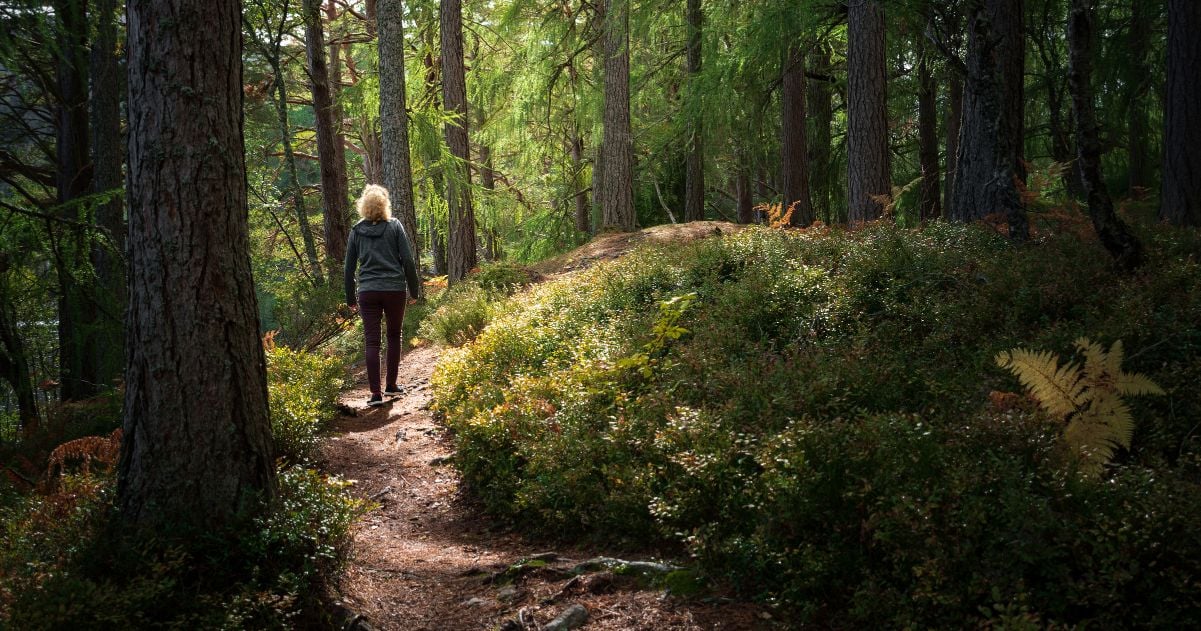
[
  {"x": 66, "y": 562},
  {"x": 809, "y": 415}
]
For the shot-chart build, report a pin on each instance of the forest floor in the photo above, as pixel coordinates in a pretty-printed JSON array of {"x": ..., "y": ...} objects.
[{"x": 428, "y": 558}]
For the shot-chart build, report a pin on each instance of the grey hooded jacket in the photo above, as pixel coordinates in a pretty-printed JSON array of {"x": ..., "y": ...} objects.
[{"x": 380, "y": 251}]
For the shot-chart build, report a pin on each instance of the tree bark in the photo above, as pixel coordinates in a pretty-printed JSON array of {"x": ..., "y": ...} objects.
[
  {"x": 1181, "y": 203},
  {"x": 694, "y": 172},
  {"x": 437, "y": 233},
  {"x": 818, "y": 96},
  {"x": 336, "y": 213},
  {"x": 397, "y": 170},
  {"x": 954, "y": 124},
  {"x": 461, "y": 243},
  {"x": 1009, "y": 27},
  {"x": 1139, "y": 83},
  {"x": 927, "y": 96},
  {"x": 107, "y": 254},
  {"x": 335, "y": 87},
  {"x": 492, "y": 251},
  {"x": 197, "y": 442},
  {"x": 985, "y": 181},
  {"x": 77, "y": 367},
  {"x": 617, "y": 186},
  {"x": 14, "y": 366},
  {"x": 583, "y": 214},
  {"x": 1113, "y": 232},
  {"x": 291, "y": 178},
  {"x": 867, "y": 120},
  {"x": 794, "y": 152}
]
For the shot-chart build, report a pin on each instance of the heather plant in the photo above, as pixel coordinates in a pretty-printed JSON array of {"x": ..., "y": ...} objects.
[{"x": 816, "y": 426}]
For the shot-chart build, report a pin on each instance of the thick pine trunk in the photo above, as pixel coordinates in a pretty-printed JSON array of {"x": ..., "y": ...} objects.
[
  {"x": 397, "y": 167},
  {"x": 1009, "y": 27},
  {"x": 76, "y": 315},
  {"x": 461, "y": 243},
  {"x": 819, "y": 142},
  {"x": 335, "y": 86},
  {"x": 197, "y": 443},
  {"x": 1139, "y": 83},
  {"x": 336, "y": 213},
  {"x": 953, "y": 125},
  {"x": 985, "y": 180},
  {"x": 694, "y": 172},
  {"x": 107, "y": 253},
  {"x": 617, "y": 185},
  {"x": 794, "y": 152},
  {"x": 1113, "y": 232},
  {"x": 1181, "y": 203},
  {"x": 867, "y": 121},
  {"x": 927, "y": 98}
]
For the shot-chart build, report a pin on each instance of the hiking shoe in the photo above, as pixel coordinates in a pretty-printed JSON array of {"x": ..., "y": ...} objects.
[
  {"x": 394, "y": 390},
  {"x": 375, "y": 401}
]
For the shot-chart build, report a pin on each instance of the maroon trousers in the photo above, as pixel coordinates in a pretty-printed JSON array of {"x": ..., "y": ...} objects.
[{"x": 391, "y": 306}]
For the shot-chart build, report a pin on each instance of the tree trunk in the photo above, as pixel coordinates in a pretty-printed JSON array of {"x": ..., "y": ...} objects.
[
  {"x": 794, "y": 153},
  {"x": 1009, "y": 27},
  {"x": 492, "y": 250},
  {"x": 927, "y": 97},
  {"x": 867, "y": 119},
  {"x": 14, "y": 366},
  {"x": 432, "y": 156},
  {"x": 742, "y": 186},
  {"x": 1181, "y": 203},
  {"x": 985, "y": 182},
  {"x": 617, "y": 187},
  {"x": 336, "y": 212},
  {"x": 694, "y": 187},
  {"x": 291, "y": 178},
  {"x": 77, "y": 369},
  {"x": 335, "y": 87},
  {"x": 1139, "y": 83},
  {"x": 461, "y": 244},
  {"x": 197, "y": 443},
  {"x": 108, "y": 252},
  {"x": 954, "y": 120},
  {"x": 1113, "y": 232},
  {"x": 583, "y": 214},
  {"x": 819, "y": 142},
  {"x": 397, "y": 173}
]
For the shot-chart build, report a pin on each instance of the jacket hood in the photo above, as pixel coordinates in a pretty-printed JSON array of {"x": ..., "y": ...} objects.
[{"x": 367, "y": 229}]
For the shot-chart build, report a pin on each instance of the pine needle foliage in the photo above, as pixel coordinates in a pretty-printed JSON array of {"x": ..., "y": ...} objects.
[{"x": 1088, "y": 397}]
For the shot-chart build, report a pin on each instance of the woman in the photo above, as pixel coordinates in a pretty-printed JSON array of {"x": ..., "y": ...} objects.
[{"x": 379, "y": 248}]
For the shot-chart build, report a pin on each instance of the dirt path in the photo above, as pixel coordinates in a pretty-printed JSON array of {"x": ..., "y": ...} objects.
[{"x": 426, "y": 559}]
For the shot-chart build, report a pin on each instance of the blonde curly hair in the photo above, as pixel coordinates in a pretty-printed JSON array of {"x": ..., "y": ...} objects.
[{"x": 374, "y": 205}]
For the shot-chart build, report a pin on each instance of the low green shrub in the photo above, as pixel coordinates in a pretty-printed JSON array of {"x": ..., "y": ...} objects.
[
  {"x": 302, "y": 388},
  {"x": 66, "y": 564},
  {"x": 459, "y": 313},
  {"x": 817, "y": 426}
]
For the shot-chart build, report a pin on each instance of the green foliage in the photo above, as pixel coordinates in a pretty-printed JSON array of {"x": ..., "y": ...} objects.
[
  {"x": 461, "y": 312},
  {"x": 66, "y": 563},
  {"x": 1089, "y": 398},
  {"x": 821, "y": 436},
  {"x": 302, "y": 388}
]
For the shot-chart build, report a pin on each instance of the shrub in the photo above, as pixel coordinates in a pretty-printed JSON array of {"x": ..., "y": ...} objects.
[
  {"x": 462, "y": 311},
  {"x": 65, "y": 562},
  {"x": 820, "y": 432},
  {"x": 302, "y": 388}
]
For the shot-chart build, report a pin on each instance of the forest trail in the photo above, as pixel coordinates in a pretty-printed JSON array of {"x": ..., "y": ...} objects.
[{"x": 426, "y": 558}]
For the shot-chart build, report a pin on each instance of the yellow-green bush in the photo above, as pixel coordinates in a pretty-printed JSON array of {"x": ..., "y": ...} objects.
[
  {"x": 302, "y": 388},
  {"x": 822, "y": 434}
]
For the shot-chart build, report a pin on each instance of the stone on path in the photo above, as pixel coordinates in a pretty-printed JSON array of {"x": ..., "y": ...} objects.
[{"x": 572, "y": 617}]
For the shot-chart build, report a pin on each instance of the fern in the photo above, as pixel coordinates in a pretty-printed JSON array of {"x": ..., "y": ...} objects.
[{"x": 1088, "y": 398}]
